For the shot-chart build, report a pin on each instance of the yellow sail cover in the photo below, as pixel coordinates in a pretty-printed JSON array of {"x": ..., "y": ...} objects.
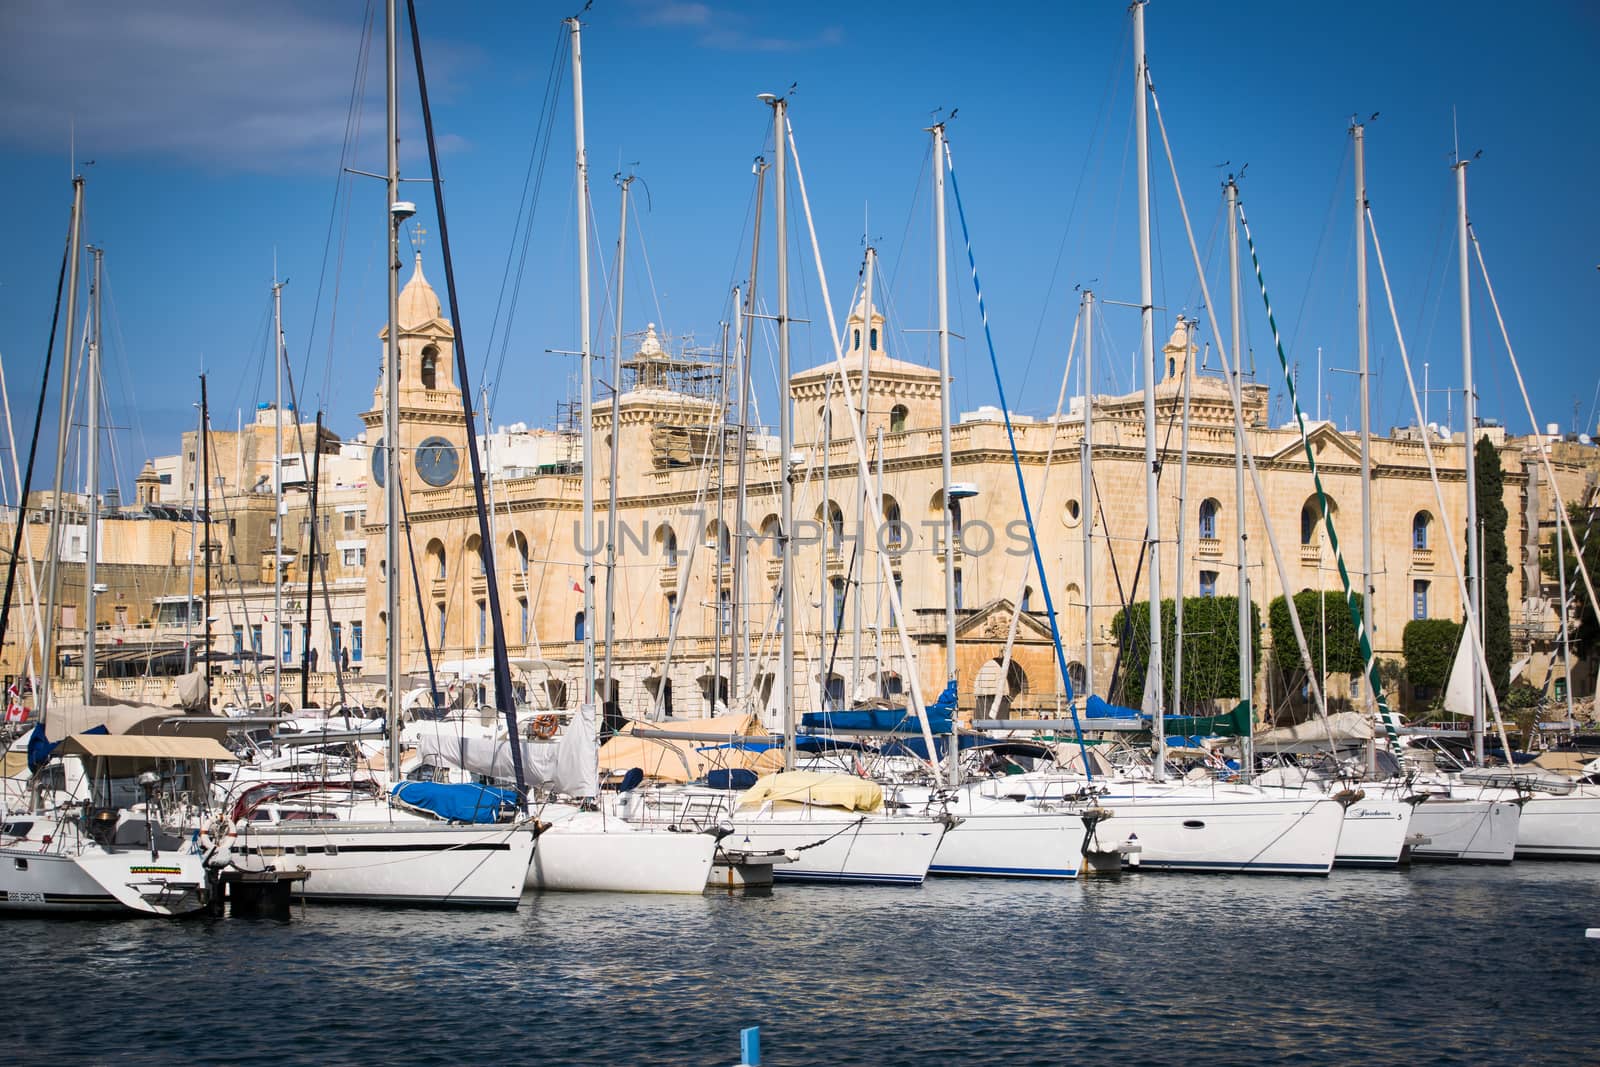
[{"x": 813, "y": 787}]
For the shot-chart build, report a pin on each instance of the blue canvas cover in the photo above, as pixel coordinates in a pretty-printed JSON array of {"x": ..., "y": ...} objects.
[
  {"x": 1096, "y": 708},
  {"x": 41, "y": 748},
  {"x": 457, "y": 802},
  {"x": 941, "y": 715}
]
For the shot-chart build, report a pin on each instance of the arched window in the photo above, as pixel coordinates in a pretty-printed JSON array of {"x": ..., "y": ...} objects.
[
  {"x": 430, "y": 367},
  {"x": 874, "y": 336},
  {"x": 1419, "y": 529},
  {"x": 1027, "y": 598},
  {"x": 837, "y": 585},
  {"x": 894, "y": 535},
  {"x": 897, "y": 418},
  {"x": 890, "y": 685},
  {"x": 518, "y": 543},
  {"x": 1311, "y": 514},
  {"x": 855, "y": 339},
  {"x": 435, "y": 554},
  {"x": 833, "y": 692},
  {"x": 668, "y": 540},
  {"x": 717, "y": 534},
  {"x": 577, "y": 626},
  {"x": 1208, "y": 519},
  {"x": 475, "y": 548},
  {"x": 772, "y": 534},
  {"x": 835, "y": 521}
]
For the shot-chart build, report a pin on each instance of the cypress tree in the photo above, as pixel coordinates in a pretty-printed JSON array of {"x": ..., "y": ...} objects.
[{"x": 1495, "y": 565}]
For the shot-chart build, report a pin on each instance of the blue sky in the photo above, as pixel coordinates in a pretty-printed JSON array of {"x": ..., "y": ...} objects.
[{"x": 216, "y": 135}]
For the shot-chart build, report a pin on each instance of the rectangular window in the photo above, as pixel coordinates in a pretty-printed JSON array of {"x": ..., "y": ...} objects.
[
  {"x": 483, "y": 624},
  {"x": 238, "y": 640},
  {"x": 305, "y": 640},
  {"x": 725, "y": 612},
  {"x": 166, "y": 479},
  {"x": 355, "y": 642},
  {"x": 672, "y": 608},
  {"x": 286, "y": 649},
  {"x": 255, "y": 639},
  {"x": 337, "y": 633},
  {"x": 439, "y": 608},
  {"x": 327, "y": 524},
  {"x": 272, "y": 528},
  {"x": 958, "y": 588},
  {"x": 522, "y": 606},
  {"x": 1419, "y": 599},
  {"x": 349, "y": 522},
  {"x": 1208, "y": 583}
]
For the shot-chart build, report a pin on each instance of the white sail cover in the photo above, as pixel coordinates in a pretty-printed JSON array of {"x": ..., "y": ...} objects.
[
  {"x": 1458, "y": 690},
  {"x": 566, "y": 765}
]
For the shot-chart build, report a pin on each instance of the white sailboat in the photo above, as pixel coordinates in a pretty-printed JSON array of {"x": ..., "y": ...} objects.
[{"x": 355, "y": 843}]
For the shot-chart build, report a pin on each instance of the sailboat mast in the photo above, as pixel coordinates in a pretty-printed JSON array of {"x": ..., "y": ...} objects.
[
  {"x": 746, "y": 335},
  {"x": 1470, "y": 414},
  {"x": 194, "y": 523},
  {"x": 736, "y": 541},
  {"x": 616, "y": 441},
  {"x": 585, "y": 362},
  {"x": 391, "y": 405},
  {"x": 1153, "y": 683},
  {"x": 1358, "y": 132},
  {"x": 277, "y": 486},
  {"x": 1086, "y": 504},
  {"x": 858, "y": 570},
  {"x": 1183, "y": 507},
  {"x": 92, "y": 526},
  {"x": 780, "y": 108},
  {"x": 205, "y": 514},
  {"x": 941, "y": 267},
  {"x": 68, "y": 342},
  {"x": 1247, "y": 673},
  {"x": 311, "y": 568}
]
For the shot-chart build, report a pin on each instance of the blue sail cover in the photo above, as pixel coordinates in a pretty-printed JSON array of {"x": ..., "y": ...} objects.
[
  {"x": 457, "y": 802},
  {"x": 1096, "y": 708},
  {"x": 941, "y": 718},
  {"x": 41, "y": 748}
]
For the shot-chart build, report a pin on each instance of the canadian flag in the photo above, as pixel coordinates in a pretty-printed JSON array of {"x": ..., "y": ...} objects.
[{"x": 16, "y": 712}]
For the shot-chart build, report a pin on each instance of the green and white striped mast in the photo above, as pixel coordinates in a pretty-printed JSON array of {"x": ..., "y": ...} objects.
[{"x": 1363, "y": 635}]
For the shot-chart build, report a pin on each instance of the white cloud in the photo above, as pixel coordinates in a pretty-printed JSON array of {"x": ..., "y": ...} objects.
[{"x": 234, "y": 87}]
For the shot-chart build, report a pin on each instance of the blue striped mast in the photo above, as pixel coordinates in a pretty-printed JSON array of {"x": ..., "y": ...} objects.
[{"x": 1016, "y": 463}]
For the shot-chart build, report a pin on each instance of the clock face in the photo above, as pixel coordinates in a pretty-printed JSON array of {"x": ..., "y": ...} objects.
[
  {"x": 378, "y": 460},
  {"x": 438, "y": 463}
]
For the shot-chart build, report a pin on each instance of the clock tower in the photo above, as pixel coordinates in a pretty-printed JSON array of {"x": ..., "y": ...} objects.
[{"x": 432, "y": 438}]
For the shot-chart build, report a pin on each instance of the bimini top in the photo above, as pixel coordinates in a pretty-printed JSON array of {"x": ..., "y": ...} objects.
[
  {"x": 813, "y": 787},
  {"x": 145, "y": 746}
]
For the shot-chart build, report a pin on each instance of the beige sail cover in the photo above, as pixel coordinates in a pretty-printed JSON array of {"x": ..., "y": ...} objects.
[
  {"x": 814, "y": 787},
  {"x": 669, "y": 760}
]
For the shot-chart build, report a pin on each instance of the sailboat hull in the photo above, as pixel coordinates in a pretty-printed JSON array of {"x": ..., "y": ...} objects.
[
  {"x": 1211, "y": 828},
  {"x": 422, "y": 864},
  {"x": 999, "y": 837},
  {"x": 586, "y": 853},
  {"x": 1560, "y": 827},
  {"x": 839, "y": 847},
  {"x": 1465, "y": 830},
  {"x": 51, "y": 870},
  {"x": 1374, "y": 833}
]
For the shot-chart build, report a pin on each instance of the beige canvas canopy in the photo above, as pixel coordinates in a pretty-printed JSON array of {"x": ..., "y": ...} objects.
[
  {"x": 140, "y": 746},
  {"x": 670, "y": 760}
]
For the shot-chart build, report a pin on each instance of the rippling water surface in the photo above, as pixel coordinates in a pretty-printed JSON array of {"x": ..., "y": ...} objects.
[{"x": 1434, "y": 965}]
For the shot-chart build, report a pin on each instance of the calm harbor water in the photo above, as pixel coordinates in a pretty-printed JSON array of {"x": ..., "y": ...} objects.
[{"x": 1435, "y": 965}]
